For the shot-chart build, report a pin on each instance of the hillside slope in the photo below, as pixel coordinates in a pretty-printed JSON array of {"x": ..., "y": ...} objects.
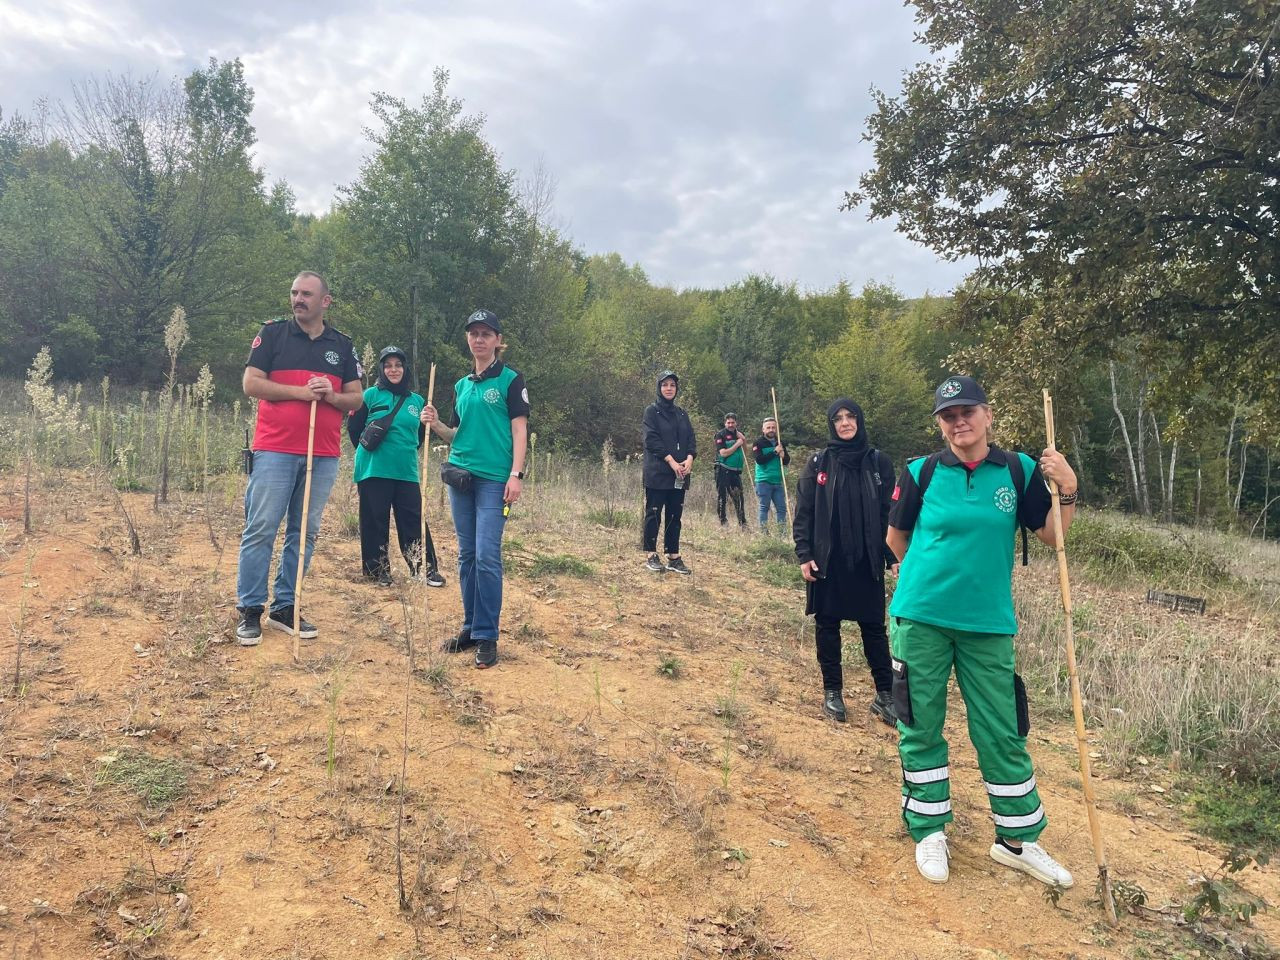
[{"x": 574, "y": 802}]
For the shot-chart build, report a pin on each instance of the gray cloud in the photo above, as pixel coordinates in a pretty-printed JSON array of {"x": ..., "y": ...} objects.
[{"x": 703, "y": 142}]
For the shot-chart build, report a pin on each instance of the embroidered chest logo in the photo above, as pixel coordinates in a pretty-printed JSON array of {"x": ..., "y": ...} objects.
[
  {"x": 492, "y": 395},
  {"x": 332, "y": 357},
  {"x": 1005, "y": 500},
  {"x": 413, "y": 409},
  {"x": 949, "y": 389}
]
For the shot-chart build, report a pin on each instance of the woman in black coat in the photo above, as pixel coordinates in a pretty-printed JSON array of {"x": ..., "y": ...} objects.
[
  {"x": 669, "y": 449},
  {"x": 842, "y": 514}
]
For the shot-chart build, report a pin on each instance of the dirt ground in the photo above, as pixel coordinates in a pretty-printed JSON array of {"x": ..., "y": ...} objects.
[{"x": 574, "y": 802}]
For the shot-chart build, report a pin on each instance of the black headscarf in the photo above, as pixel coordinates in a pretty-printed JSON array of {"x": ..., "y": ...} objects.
[
  {"x": 663, "y": 402},
  {"x": 400, "y": 389},
  {"x": 852, "y": 499}
]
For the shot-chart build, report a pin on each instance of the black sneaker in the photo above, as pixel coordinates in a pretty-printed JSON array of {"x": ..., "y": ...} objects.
[
  {"x": 249, "y": 629},
  {"x": 458, "y": 642},
  {"x": 833, "y": 705},
  {"x": 654, "y": 563},
  {"x": 676, "y": 565},
  {"x": 486, "y": 653},
  {"x": 882, "y": 708},
  {"x": 282, "y": 620},
  {"x": 384, "y": 578},
  {"x": 433, "y": 578}
]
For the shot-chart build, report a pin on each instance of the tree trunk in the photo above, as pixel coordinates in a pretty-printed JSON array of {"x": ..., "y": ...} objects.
[
  {"x": 1244, "y": 453},
  {"x": 1128, "y": 446},
  {"x": 413, "y": 328},
  {"x": 1155, "y": 430},
  {"x": 1143, "y": 488},
  {"x": 1077, "y": 435},
  {"x": 1168, "y": 499},
  {"x": 1231, "y": 439},
  {"x": 1199, "y": 490}
]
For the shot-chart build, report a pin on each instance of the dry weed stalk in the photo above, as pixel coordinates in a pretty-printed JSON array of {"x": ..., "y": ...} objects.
[
  {"x": 176, "y": 335},
  {"x": 20, "y": 627}
]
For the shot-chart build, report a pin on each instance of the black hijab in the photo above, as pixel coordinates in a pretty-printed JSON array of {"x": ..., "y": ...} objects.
[
  {"x": 400, "y": 389},
  {"x": 853, "y": 501}
]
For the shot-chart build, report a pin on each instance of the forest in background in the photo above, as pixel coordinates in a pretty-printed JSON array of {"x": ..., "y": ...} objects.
[{"x": 1144, "y": 295}]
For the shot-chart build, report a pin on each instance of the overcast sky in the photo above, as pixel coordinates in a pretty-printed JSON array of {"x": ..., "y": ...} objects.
[{"x": 702, "y": 141}]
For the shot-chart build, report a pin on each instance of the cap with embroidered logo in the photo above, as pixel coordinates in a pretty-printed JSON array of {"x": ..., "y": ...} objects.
[
  {"x": 958, "y": 392},
  {"x": 487, "y": 318}
]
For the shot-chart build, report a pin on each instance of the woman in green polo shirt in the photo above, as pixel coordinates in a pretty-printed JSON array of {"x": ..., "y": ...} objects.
[
  {"x": 387, "y": 476},
  {"x": 953, "y": 607},
  {"x": 489, "y": 436}
]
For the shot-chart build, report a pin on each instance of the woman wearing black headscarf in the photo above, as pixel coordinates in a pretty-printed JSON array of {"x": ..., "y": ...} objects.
[
  {"x": 387, "y": 476},
  {"x": 842, "y": 513},
  {"x": 669, "y": 449}
]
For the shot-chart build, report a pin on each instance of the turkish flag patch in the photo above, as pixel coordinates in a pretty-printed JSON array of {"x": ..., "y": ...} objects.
[
  {"x": 257, "y": 342},
  {"x": 822, "y": 479},
  {"x": 896, "y": 490}
]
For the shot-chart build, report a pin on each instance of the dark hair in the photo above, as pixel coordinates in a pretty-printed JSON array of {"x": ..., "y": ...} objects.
[{"x": 311, "y": 273}]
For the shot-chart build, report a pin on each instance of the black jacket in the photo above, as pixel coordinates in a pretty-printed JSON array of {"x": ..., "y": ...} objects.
[
  {"x": 667, "y": 432},
  {"x": 811, "y": 528}
]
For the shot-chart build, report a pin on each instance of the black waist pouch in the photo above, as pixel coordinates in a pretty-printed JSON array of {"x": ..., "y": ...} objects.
[
  {"x": 375, "y": 431},
  {"x": 461, "y": 480}
]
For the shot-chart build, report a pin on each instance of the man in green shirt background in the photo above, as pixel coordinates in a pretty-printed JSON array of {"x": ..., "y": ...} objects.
[
  {"x": 770, "y": 456},
  {"x": 729, "y": 465}
]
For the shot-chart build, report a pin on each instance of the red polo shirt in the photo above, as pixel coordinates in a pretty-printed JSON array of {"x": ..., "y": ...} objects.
[{"x": 286, "y": 354}]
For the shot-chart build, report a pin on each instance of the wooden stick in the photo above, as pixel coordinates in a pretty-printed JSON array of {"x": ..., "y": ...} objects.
[
  {"x": 422, "y": 482},
  {"x": 786, "y": 498},
  {"x": 1077, "y": 706},
  {"x": 302, "y": 537}
]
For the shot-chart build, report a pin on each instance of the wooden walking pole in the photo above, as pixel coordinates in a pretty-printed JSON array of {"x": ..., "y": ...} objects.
[
  {"x": 422, "y": 481},
  {"x": 1077, "y": 706},
  {"x": 302, "y": 537},
  {"x": 786, "y": 498}
]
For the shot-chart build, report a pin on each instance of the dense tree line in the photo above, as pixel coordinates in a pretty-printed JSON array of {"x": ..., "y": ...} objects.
[{"x": 139, "y": 196}]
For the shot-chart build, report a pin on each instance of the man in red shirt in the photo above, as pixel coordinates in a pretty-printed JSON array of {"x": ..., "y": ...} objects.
[{"x": 292, "y": 363}]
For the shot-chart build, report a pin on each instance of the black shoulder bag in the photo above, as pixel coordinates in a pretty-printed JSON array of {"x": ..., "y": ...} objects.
[{"x": 375, "y": 431}]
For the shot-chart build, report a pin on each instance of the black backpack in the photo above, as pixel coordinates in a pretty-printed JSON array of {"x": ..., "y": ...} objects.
[{"x": 1011, "y": 460}]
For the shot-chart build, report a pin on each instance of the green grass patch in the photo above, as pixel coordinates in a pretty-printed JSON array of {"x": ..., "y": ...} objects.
[
  {"x": 1112, "y": 547},
  {"x": 560, "y": 564},
  {"x": 158, "y": 782},
  {"x": 1242, "y": 814},
  {"x": 613, "y": 519}
]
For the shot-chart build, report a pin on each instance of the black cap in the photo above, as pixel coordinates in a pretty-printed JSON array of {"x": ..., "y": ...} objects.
[
  {"x": 958, "y": 392},
  {"x": 392, "y": 352},
  {"x": 487, "y": 318}
]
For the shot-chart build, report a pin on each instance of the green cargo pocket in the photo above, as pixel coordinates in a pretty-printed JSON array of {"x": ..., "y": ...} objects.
[
  {"x": 1020, "y": 703},
  {"x": 901, "y": 691}
]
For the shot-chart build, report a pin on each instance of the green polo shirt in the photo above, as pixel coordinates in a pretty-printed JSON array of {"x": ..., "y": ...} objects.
[
  {"x": 958, "y": 568},
  {"x": 735, "y": 460},
  {"x": 483, "y": 409},
  {"x": 768, "y": 464},
  {"x": 396, "y": 458}
]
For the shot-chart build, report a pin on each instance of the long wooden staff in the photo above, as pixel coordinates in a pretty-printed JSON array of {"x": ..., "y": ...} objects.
[
  {"x": 1077, "y": 707},
  {"x": 422, "y": 480},
  {"x": 302, "y": 537},
  {"x": 786, "y": 498}
]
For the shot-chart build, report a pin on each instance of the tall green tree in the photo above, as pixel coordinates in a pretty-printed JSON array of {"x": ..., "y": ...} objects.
[
  {"x": 1117, "y": 160},
  {"x": 433, "y": 215}
]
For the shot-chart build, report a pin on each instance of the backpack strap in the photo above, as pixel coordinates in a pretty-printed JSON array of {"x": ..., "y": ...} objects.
[
  {"x": 926, "y": 471},
  {"x": 1019, "y": 477}
]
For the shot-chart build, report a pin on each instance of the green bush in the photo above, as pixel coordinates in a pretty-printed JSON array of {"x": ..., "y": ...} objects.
[{"x": 1112, "y": 547}]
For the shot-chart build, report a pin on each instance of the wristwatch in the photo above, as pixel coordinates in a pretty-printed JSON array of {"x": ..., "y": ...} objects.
[{"x": 518, "y": 474}]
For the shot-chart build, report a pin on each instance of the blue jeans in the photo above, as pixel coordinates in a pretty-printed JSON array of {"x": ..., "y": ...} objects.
[
  {"x": 478, "y": 520},
  {"x": 772, "y": 493},
  {"x": 274, "y": 492}
]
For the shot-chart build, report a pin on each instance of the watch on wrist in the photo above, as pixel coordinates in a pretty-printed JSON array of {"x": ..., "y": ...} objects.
[{"x": 518, "y": 474}]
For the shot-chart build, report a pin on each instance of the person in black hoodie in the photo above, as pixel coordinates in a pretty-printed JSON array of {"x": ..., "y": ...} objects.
[
  {"x": 842, "y": 515},
  {"x": 669, "y": 450}
]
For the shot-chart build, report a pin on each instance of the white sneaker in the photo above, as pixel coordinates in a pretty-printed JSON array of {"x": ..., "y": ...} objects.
[
  {"x": 1034, "y": 860},
  {"x": 932, "y": 856}
]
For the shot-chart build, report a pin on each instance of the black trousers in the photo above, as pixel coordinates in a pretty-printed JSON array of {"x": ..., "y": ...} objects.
[
  {"x": 875, "y": 647},
  {"x": 656, "y": 502},
  {"x": 729, "y": 487},
  {"x": 379, "y": 498}
]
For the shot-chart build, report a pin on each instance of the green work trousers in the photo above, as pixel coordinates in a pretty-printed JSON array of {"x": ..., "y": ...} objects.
[{"x": 923, "y": 655}]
